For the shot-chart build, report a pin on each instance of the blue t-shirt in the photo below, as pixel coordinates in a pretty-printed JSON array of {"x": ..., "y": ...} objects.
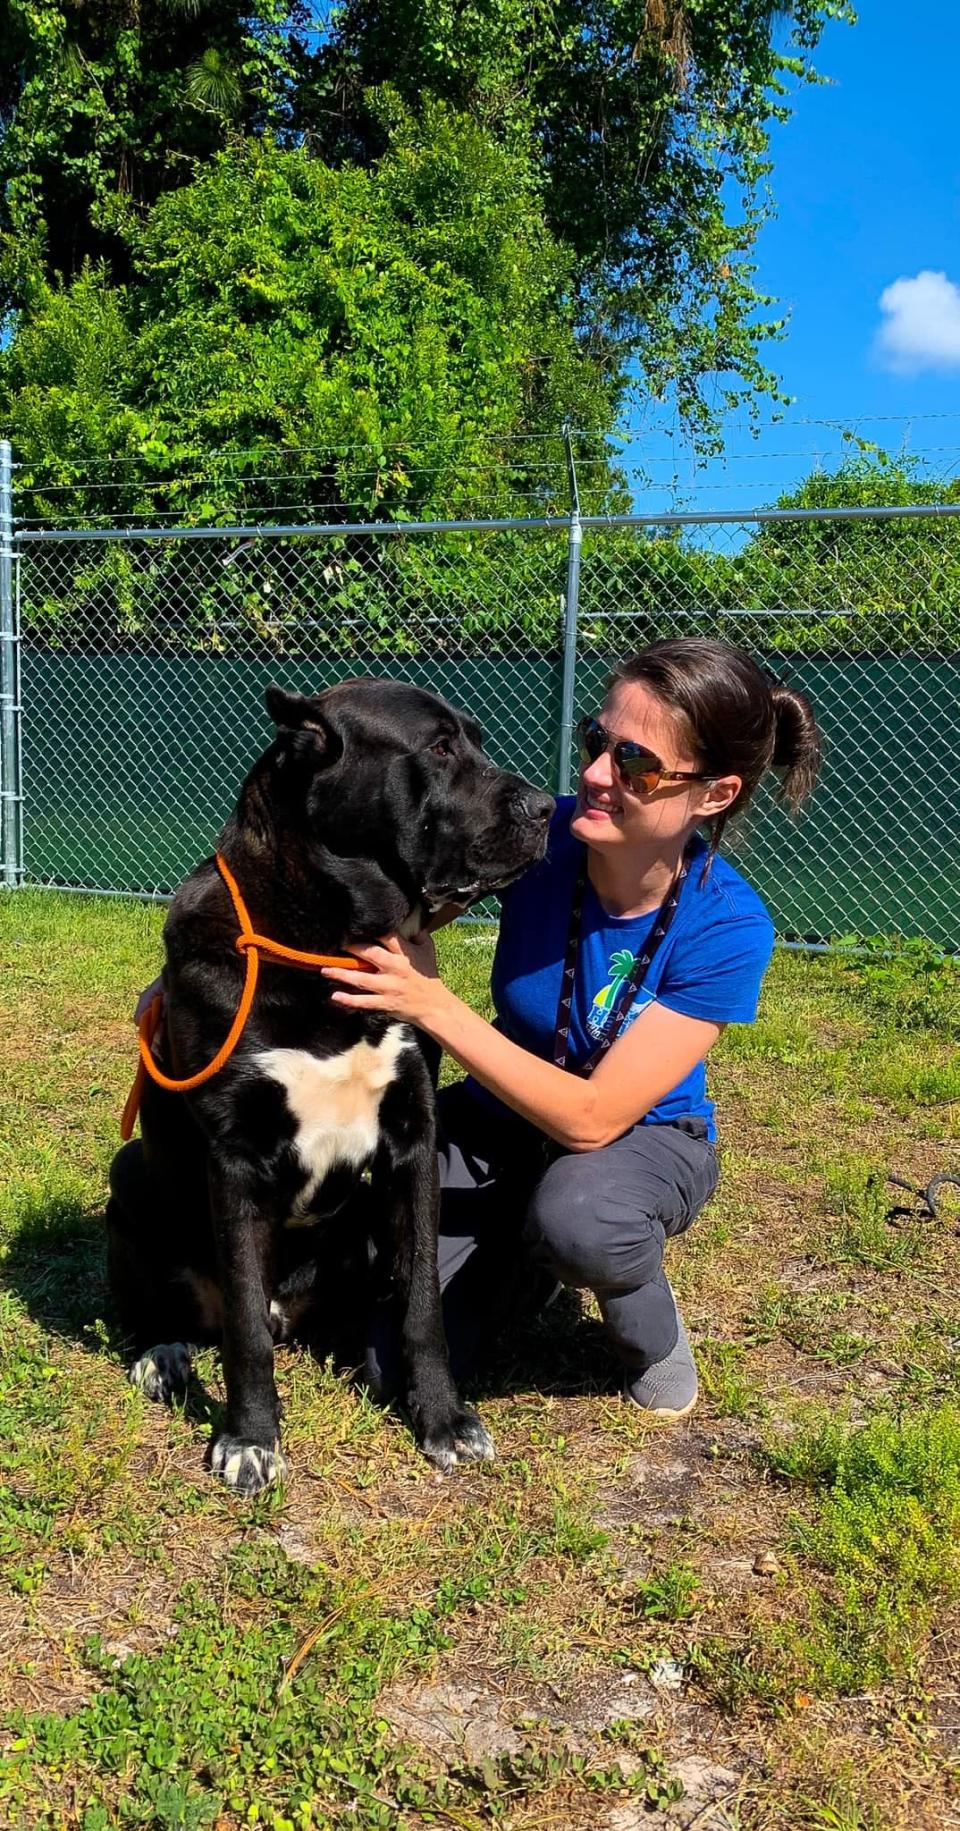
[{"x": 710, "y": 963}]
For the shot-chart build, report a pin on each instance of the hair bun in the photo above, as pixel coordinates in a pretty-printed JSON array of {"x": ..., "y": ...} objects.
[{"x": 797, "y": 746}]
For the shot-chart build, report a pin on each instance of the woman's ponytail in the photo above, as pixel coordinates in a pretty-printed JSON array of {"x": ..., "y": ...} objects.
[{"x": 796, "y": 744}]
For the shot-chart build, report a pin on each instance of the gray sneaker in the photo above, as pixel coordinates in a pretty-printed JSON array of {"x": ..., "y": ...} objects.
[{"x": 668, "y": 1389}]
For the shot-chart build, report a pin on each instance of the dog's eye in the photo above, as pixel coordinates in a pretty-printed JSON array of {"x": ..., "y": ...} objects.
[{"x": 442, "y": 748}]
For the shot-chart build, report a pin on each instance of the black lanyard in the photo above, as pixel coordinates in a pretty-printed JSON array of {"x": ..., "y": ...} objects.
[{"x": 631, "y": 985}]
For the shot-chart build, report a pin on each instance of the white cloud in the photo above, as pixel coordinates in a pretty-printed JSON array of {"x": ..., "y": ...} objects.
[{"x": 921, "y": 329}]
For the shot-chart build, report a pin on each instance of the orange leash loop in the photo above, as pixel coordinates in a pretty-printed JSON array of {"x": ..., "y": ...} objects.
[
  {"x": 250, "y": 944},
  {"x": 291, "y": 956},
  {"x": 147, "y": 1029}
]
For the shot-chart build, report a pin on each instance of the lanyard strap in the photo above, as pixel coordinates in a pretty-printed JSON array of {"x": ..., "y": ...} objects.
[{"x": 631, "y": 985}]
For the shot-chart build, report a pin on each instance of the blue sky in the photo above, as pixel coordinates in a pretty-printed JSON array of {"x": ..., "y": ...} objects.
[{"x": 867, "y": 186}]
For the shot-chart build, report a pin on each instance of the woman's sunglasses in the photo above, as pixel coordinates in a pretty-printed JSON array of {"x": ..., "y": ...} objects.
[{"x": 639, "y": 768}]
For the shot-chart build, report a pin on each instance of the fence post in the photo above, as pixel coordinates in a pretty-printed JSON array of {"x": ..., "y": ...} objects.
[
  {"x": 570, "y": 608},
  {"x": 12, "y": 869}
]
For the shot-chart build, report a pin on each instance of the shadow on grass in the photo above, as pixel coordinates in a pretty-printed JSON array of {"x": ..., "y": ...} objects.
[
  {"x": 56, "y": 1269},
  {"x": 56, "y": 1266},
  {"x": 561, "y": 1352}
]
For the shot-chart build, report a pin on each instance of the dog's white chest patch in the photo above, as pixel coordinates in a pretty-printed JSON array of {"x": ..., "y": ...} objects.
[{"x": 335, "y": 1101}]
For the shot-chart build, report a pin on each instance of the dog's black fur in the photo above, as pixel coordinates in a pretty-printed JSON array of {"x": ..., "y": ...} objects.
[{"x": 374, "y": 806}]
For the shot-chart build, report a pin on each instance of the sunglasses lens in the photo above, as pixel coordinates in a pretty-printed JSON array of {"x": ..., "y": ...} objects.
[
  {"x": 592, "y": 739},
  {"x": 640, "y": 767}
]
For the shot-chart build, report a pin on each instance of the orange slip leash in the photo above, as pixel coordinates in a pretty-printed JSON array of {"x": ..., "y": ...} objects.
[{"x": 252, "y": 945}]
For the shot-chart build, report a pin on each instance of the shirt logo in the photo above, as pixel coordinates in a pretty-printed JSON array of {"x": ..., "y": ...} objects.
[{"x": 605, "y": 1003}]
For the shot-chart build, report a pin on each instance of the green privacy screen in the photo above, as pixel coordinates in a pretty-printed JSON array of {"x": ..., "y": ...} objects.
[{"x": 131, "y": 762}]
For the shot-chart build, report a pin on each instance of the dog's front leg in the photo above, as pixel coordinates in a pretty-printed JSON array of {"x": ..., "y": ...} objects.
[
  {"x": 246, "y": 1454},
  {"x": 447, "y": 1431}
]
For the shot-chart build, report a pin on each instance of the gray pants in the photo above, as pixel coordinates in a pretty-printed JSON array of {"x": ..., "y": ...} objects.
[{"x": 513, "y": 1224}]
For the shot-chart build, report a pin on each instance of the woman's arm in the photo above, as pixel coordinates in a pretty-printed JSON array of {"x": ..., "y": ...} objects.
[{"x": 659, "y": 1050}]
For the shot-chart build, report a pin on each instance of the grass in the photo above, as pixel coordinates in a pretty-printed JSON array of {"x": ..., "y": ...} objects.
[
  {"x": 374, "y": 1647},
  {"x": 862, "y": 1231},
  {"x": 876, "y": 1547}
]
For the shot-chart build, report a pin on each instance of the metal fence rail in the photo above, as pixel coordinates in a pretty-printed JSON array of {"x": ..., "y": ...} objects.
[
  {"x": 131, "y": 702},
  {"x": 11, "y": 855}
]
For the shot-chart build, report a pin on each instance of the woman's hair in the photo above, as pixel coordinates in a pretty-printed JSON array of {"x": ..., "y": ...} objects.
[{"x": 736, "y": 720}]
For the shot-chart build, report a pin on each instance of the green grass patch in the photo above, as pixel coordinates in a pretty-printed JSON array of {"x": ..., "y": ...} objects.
[
  {"x": 915, "y": 989},
  {"x": 863, "y": 1230},
  {"x": 215, "y": 1724},
  {"x": 594, "y": 1549},
  {"x": 810, "y": 1321},
  {"x": 878, "y": 1546},
  {"x": 669, "y": 1595},
  {"x": 726, "y": 1381},
  {"x": 885, "y": 1529},
  {"x": 264, "y": 1706}
]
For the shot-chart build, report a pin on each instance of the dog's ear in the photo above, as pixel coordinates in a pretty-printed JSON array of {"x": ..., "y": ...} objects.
[
  {"x": 292, "y": 711},
  {"x": 295, "y": 712}
]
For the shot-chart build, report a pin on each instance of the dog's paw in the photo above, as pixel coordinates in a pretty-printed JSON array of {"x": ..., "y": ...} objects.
[
  {"x": 247, "y": 1467},
  {"x": 281, "y": 1326},
  {"x": 464, "y": 1439},
  {"x": 164, "y": 1371}
]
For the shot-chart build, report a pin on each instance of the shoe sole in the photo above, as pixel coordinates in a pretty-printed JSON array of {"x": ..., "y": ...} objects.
[{"x": 662, "y": 1414}]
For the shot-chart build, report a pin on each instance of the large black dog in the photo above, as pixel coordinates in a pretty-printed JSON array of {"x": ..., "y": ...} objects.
[{"x": 373, "y": 807}]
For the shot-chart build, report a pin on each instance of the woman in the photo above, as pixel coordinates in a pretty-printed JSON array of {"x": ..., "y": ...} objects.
[{"x": 622, "y": 957}]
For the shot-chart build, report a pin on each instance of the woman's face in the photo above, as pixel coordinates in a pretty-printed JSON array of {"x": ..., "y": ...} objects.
[{"x": 612, "y": 816}]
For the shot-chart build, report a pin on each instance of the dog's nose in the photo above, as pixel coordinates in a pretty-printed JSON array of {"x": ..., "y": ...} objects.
[{"x": 536, "y": 806}]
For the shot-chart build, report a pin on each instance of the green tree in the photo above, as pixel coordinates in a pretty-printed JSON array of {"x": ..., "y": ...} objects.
[
  {"x": 105, "y": 104},
  {"x": 641, "y": 125},
  {"x": 809, "y": 584},
  {"x": 649, "y": 122},
  {"x": 409, "y": 318},
  {"x": 360, "y": 343},
  {"x": 876, "y": 582}
]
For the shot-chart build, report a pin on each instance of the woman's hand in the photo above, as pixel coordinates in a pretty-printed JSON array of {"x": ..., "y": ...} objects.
[{"x": 407, "y": 982}]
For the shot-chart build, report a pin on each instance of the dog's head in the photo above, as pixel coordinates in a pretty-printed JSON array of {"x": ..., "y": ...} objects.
[{"x": 378, "y": 770}]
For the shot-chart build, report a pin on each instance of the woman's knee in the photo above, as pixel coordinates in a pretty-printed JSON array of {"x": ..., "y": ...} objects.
[{"x": 587, "y": 1233}]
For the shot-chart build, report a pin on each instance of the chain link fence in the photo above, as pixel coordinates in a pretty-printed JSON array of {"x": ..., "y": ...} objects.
[
  {"x": 861, "y": 611},
  {"x": 133, "y": 699}
]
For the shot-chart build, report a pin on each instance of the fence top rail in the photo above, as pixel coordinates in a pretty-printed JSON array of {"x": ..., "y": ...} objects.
[
  {"x": 270, "y": 530},
  {"x": 554, "y": 523}
]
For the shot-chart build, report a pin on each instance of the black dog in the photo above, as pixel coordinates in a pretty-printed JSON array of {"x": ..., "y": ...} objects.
[{"x": 373, "y": 807}]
